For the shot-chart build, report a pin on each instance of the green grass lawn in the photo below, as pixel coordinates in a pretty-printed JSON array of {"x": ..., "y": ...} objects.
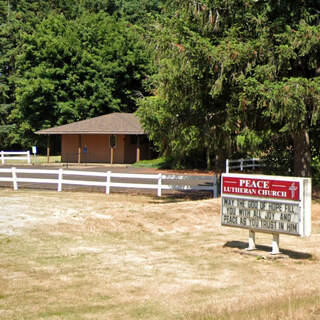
[
  {"x": 159, "y": 163},
  {"x": 44, "y": 159}
]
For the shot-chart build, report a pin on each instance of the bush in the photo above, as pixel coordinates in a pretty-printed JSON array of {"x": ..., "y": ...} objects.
[
  {"x": 315, "y": 165},
  {"x": 278, "y": 159}
]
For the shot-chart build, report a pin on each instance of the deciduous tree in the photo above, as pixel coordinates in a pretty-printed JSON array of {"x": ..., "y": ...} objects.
[{"x": 70, "y": 70}]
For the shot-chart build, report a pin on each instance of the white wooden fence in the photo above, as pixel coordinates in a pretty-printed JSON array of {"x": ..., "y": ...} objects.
[
  {"x": 243, "y": 163},
  {"x": 59, "y": 177},
  {"x": 15, "y": 155}
]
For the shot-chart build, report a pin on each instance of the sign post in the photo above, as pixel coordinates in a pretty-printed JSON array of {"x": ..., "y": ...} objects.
[
  {"x": 270, "y": 204},
  {"x": 34, "y": 151}
]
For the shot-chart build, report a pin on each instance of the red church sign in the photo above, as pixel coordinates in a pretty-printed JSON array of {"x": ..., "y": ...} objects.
[{"x": 265, "y": 188}]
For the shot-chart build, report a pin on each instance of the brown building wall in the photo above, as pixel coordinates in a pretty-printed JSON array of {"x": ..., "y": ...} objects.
[
  {"x": 119, "y": 149},
  {"x": 95, "y": 148},
  {"x": 69, "y": 147},
  {"x": 131, "y": 148}
]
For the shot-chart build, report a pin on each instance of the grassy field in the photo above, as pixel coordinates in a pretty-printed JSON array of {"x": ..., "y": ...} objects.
[
  {"x": 77, "y": 255},
  {"x": 35, "y": 160}
]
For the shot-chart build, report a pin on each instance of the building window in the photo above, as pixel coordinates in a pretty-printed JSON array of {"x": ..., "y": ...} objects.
[{"x": 113, "y": 141}]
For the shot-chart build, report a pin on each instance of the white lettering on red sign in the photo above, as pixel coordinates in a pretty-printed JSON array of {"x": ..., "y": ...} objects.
[{"x": 281, "y": 189}]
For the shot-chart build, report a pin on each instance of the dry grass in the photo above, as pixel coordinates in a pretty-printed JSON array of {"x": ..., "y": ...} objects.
[
  {"x": 92, "y": 256},
  {"x": 38, "y": 159}
]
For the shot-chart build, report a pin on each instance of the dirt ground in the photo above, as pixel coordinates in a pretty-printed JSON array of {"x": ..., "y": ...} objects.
[{"x": 77, "y": 255}]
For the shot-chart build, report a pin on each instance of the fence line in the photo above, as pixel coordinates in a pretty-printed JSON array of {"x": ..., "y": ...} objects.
[
  {"x": 15, "y": 155},
  {"x": 107, "y": 183},
  {"x": 243, "y": 163}
]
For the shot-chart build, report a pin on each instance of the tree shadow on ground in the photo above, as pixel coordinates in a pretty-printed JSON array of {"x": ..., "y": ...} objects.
[
  {"x": 182, "y": 196},
  {"x": 284, "y": 252}
]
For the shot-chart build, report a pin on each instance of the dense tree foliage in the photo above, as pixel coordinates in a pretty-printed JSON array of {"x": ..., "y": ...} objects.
[
  {"x": 72, "y": 70},
  {"x": 233, "y": 75},
  {"x": 63, "y": 61},
  {"x": 228, "y": 78},
  {"x": 137, "y": 11}
]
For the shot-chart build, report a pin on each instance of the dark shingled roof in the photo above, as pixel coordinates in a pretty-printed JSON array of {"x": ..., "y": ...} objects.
[{"x": 113, "y": 123}]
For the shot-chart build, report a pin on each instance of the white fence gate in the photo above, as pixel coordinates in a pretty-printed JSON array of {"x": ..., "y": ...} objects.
[
  {"x": 110, "y": 180},
  {"x": 243, "y": 163}
]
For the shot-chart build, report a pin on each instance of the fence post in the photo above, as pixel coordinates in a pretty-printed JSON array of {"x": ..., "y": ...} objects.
[
  {"x": 108, "y": 182},
  {"x": 60, "y": 179},
  {"x": 2, "y": 157},
  {"x": 241, "y": 164},
  {"x": 253, "y": 166},
  {"x": 227, "y": 166},
  {"x": 14, "y": 178},
  {"x": 28, "y": 156},
  {"x": 159, "y": 184},
  {"x": 215, "y": 186}
]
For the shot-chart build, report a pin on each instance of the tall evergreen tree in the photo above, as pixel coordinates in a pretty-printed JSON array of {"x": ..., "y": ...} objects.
[{"x": 254, "y": 67}]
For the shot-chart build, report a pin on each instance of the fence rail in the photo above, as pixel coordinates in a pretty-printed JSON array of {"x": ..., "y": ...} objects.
[
  {"x": 252, "y": 163},
  {"x": 109, "y": 180},
  {"x": 15, "y": 155}
]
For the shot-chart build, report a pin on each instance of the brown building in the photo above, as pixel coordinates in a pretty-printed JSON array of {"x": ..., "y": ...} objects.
[{"x": 111, "y": 138}]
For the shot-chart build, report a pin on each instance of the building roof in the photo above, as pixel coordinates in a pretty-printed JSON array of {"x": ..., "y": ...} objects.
[{"x": 113, "y": 123}]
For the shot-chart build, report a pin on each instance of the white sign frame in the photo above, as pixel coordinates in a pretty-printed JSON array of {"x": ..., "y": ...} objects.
[{"x": 301, "y": 207}]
